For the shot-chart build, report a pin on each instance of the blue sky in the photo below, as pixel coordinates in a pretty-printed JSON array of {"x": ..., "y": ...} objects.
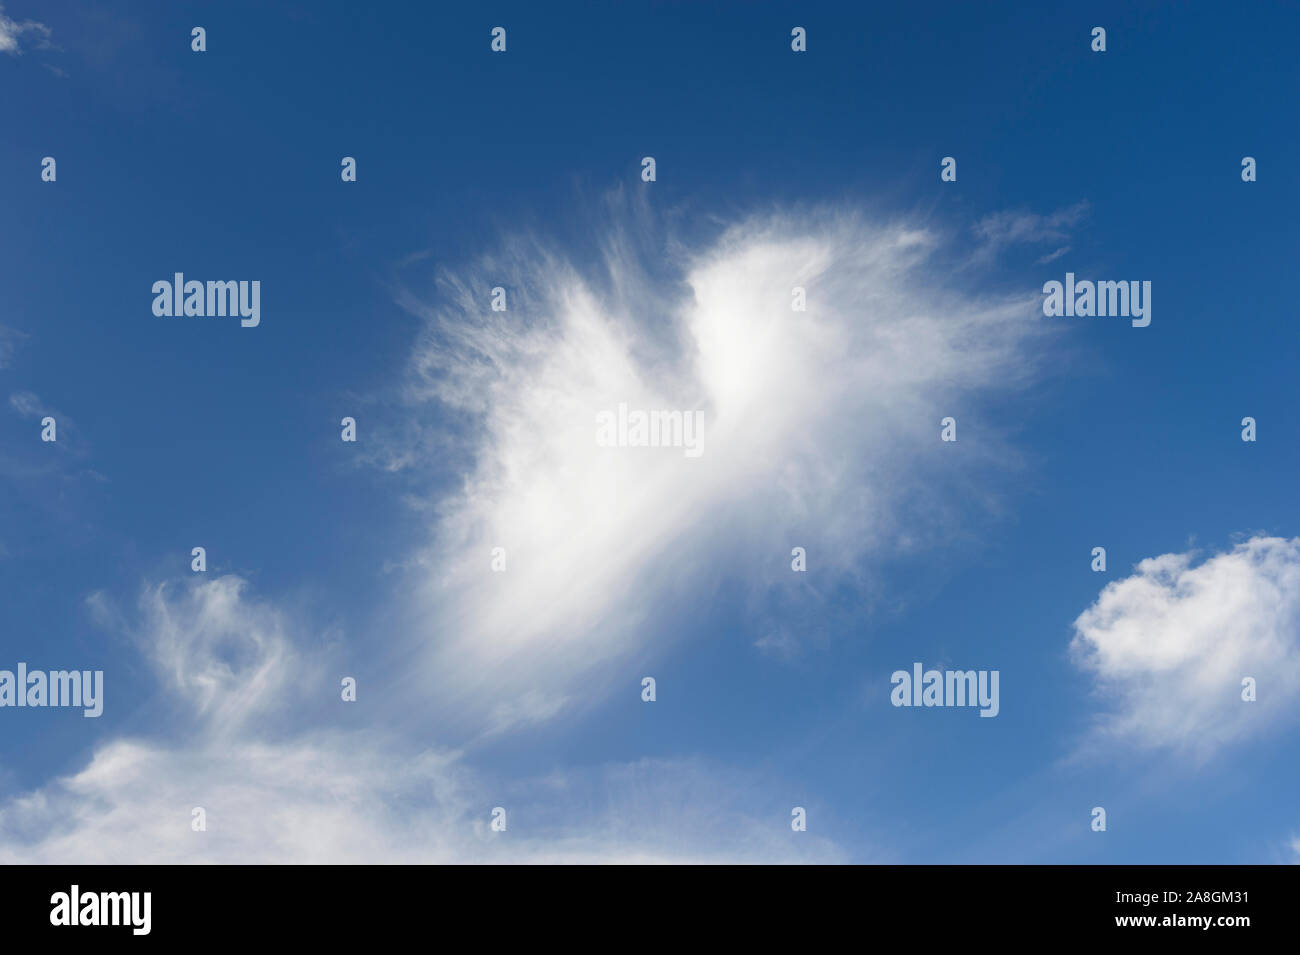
[{"x": 521, "y": 689}]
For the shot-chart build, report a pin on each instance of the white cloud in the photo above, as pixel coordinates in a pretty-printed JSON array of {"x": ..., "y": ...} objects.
[
  {"x": 9, "y": 339},
  {"x": 1002, "y": 229},
  {"x": 27, "y": 404},
  {"x": 273, "y": 794},
  {"x": 1171, "y": 644},
  {"x": 821, "y": 429},
  {"x": 351, "y": 798},
  {"x": 227, "y": 656},
  {"x": 11, "y": 30}
]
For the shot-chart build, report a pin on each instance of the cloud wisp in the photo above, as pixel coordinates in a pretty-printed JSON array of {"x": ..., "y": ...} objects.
[
  {"x": 273, "y": 792},
  {"x": 13, "y": 31},
  {"x": 820, "y": 429}
]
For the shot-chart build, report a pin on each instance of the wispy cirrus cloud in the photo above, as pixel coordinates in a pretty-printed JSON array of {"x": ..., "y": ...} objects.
[
  {"x": 15, "y": 33},
  {"x": 351, "y": 798},
  {"x": 28, "y": 404},
  {"x": 821, "y": 429},
  {"x": 1000, "y": 230},
  {"x": 9, "y": 340},
  {"x": 283, "y": 791},
  {"x": 226, "y": 656},
  {"x": 70, "y": 444}
]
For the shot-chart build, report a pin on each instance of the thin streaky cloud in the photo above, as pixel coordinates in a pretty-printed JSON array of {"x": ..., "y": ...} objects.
[{"x": 14, "y": 34}]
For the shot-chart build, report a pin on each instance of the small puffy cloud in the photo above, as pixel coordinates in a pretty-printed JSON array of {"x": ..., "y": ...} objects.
[{"x": 1171, "y": 644}]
